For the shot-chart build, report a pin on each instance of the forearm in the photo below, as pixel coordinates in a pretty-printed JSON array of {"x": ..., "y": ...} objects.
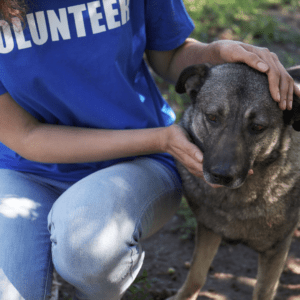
[
  {"x": 190, "y": 53},
  {"x": 169, "y": 64},
  {"x": 62, "y": 144}
]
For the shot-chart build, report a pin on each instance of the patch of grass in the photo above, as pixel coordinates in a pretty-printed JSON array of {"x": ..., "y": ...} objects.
[
  {"x": 288, "y": 61},
  {"x": 243, "y": 20},
  {"x": 178, "y": 102},
  {"x": 139, "y": 288},
  {"x": 187, "y": 230}
]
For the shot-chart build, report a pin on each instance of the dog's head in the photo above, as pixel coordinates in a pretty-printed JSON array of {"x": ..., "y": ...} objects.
[{"x": 233, "y": 120}]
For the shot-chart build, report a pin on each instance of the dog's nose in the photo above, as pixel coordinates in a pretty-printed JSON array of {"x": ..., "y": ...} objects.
[{"x": 219, "y": 178}]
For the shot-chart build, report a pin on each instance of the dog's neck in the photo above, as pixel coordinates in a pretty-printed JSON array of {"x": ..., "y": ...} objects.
[{"x": 274, "y": 156}]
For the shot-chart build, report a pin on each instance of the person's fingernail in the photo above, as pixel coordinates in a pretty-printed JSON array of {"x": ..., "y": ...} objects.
[
  {"x": 199, "y": 157},
  {"x": 262, "y": 66},
  {"x": 278, "y": 96},
  {"x": 290, "y": 105}
]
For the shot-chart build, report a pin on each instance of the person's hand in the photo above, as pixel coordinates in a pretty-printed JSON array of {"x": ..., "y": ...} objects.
[
  {"x": 281, "y": 84},
  {"x": 175, "y": 141}
]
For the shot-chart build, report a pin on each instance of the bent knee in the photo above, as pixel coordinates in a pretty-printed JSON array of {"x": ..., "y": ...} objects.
[{"x": 86, "y": 253}]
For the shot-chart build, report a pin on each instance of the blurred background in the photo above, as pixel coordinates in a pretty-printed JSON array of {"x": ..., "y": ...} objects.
[{"x": 274, "y": 24}]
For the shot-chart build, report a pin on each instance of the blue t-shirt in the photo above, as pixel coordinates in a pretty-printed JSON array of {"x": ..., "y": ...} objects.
[{"x": 81, "y": 64}]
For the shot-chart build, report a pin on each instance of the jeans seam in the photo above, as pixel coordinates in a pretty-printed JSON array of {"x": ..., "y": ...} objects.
[
  {"x": 137, "y": 225},
  {"x": 47, "y": 278},
  {"x": 175, "y": 181}
]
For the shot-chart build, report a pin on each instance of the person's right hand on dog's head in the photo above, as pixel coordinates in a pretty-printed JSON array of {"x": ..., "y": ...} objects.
[{"x": 282, "y": 85}]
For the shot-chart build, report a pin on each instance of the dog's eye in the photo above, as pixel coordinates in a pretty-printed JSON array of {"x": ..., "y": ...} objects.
[
  {"x": 257, "y": 128},
  {"x": 212, "y": 118}
]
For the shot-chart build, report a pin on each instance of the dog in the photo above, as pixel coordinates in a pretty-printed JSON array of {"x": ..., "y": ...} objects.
[{"x": 251, "y": 149}]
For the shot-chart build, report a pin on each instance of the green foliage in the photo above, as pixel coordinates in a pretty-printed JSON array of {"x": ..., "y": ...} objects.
[
  {"x": 187, "y": 230},
  {"x": 243, "y": 20},
  {"x": 139, "y": 287},
  {"x": 178, "y": 102},
  {"x": 288, "y": 61}
]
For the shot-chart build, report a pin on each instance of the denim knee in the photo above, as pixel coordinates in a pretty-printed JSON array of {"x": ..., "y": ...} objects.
[
  {"x": 97, "y": 225},
  {"x": 98, "y": 261}
]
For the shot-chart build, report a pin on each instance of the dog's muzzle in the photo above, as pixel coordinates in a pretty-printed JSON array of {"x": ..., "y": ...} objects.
[{"x": 225, "y": 175}]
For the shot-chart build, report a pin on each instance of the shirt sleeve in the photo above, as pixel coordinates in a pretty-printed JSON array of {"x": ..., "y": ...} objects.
[
  {"x": 167, "y": 24},
  {"x": 2, "y": 89}
]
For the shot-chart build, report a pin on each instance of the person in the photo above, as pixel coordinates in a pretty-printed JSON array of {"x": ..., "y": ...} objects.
[{"x": 87, "y": 141}]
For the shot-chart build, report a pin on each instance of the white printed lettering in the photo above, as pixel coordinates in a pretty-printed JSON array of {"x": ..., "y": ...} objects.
[
  {"x": 110, "y": 14},
  {"x": 40, "y": 35},
  {"x": 79, "y": 22},
  {"x": 95, "y": 17},
  {"x": 124, "y": 5},
  {"x": 6, "y": 38},
  {"x": 114, "y": 12},
  {"x": 59, "y": 24},
  {"x": 20, "y": 38}
]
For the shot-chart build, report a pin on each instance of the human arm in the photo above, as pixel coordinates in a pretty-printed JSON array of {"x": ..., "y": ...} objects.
[
  {"x": 47, "y": 143},
  {"x": 169, "y": 64}
]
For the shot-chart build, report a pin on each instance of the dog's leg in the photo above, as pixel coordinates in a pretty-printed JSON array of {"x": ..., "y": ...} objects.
[
  {"x": 207, "y": 244},
  {"x": 270, "y": 266}
]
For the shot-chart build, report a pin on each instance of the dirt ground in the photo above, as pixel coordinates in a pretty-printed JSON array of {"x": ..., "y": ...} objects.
[
  {"x": 231, "y": 276},
  {"x": 233, "y": 271}
]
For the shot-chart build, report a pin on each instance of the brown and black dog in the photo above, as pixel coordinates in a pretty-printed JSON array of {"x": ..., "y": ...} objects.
[{"x": 239, "y": 127}]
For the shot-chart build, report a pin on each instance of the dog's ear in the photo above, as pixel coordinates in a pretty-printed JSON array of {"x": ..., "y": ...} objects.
[
  {"x": 191, "y": 80},
  {"x": 292, "y": 117}
]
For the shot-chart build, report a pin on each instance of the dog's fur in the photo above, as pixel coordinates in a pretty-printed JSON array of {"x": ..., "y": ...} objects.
[{"x": 238, "y": 127}]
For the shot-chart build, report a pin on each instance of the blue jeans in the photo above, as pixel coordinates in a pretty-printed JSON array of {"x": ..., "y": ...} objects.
[{"x": 90, "y": 230}]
